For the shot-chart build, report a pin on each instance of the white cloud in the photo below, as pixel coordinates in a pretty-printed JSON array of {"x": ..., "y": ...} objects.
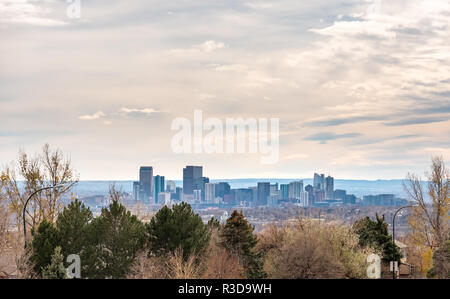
[
  {"x": 96, "y": 115},
  {"x": 136, "y": 110},
  {"x": 211, "y": 45},
  {"x": 28, "y": 12}
]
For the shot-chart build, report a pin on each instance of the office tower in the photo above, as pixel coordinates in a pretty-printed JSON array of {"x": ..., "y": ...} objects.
[
  {"x": 164, "y": 198},
  {"x": 284, "y": 191},
  {"x": 158, "y": 186},
  {"x": 272, "y": 200},
  {"x": 146, "y": 183},
  {"x": 136, "y": 188},
  {"x": 242, "y": 195},
  {"x": 171, "y": 186},
  {"x": 319, "y": 196},
  {"x": 178, "y": 195},
  {"x": 319, "y": 181},
  {"x": 340, "y": 195},
  {"x": 210, "y": 192},
  {"x": 310, "y": 190},
  {"x": 199, "y": 184},
  {"x": 329, "y": 187},
  {"x": 274, "y": 188},
  {"x": 191, "y": 177},
  {"x": 263, "y": 193},
  {"x": 222, "y": 189},
  {"x": 295, "y": 189},
  {"x": 379, "y": 200},
  {"x": 303, "y": 198},
  {"x": 350, "y": 199},
  {"x": 197, "y": 195}
]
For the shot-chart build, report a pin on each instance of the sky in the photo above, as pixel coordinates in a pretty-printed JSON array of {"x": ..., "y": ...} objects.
[{"x": 361, "y": 88}]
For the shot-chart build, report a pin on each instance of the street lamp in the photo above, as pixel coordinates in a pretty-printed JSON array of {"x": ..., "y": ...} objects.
[
  {"x": 393, "y": 236},
  {"x": 25, "y": 208}
]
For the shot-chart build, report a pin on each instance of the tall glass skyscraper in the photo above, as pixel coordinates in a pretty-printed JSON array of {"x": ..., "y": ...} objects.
[
  {"x": 191, "y": 178},
  {"x": 263, "y": 193},
  {"x": 146, "y": 183},
  {"x": 158, "y": 186}
]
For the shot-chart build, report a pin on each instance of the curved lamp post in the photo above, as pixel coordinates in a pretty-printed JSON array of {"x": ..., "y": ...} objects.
[
  {"x": 25, "y": 208},
  {"x": 393, "y": 235}
]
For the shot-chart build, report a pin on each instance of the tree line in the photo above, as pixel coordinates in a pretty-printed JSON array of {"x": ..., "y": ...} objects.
[{"x": 175, "y": 243}]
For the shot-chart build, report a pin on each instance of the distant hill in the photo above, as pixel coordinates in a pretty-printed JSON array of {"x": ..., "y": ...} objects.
[{"x": 357, "y": 187}]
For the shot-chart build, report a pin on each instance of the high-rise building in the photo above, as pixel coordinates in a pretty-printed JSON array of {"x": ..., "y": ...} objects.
[
  {"x": 158, "y": 186},
  {"x": 295, "y": 189},
  {"x": 222, "y": 189},
  {"x": 197, "y": 195},
  {"x": 379, "y": 200},
  {"x": 191, "y": 177},
  {"x": 146, "y": 183},
  {"x": 319, "y": 181},
  {"x": 136, "y": 189},
  {"x": 171, "y": 186},
  {"x": 243, "y": 195},
  {"x": 284, "y": 191},
  {"x": 329, "y": 187},
  {"x": 263, "y": 193},
  {"x": 350, "y": 199},
  {"x": 340, "y": 195},
  {"x": 310, "y": 190},
  {"x": 274, "y": 188},
  {"x": 210, "y": 192},
  {"x": 200, "y": 185}
]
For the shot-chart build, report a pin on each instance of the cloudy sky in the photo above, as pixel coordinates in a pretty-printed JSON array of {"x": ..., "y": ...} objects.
[{"x": 361, "y": 88}]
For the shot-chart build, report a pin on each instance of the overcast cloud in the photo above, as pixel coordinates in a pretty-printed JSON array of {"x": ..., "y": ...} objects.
[{"x": 361, "y": 89}]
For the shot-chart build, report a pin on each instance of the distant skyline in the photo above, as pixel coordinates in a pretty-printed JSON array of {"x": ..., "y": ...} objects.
[{"x": 361, "y": 88}]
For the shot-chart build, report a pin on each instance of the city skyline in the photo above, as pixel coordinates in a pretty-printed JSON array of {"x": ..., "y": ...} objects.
[{"x": 361, "y": 90}]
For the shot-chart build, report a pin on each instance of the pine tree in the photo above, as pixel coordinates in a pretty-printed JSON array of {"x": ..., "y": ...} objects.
[
  {"x": 119, "y": 236},
  {"x": 55, "y": 270},
  {"x": 76, "y": 235},
  {"x": 178, "y": 228},
  {"x": 45, "y": 240},
  {"x": 376, "y": 235},
  {"x": 237, "y": 237}
]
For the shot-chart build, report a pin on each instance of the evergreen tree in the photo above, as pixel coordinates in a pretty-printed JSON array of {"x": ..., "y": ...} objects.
[
  {"x": 178, "y": 228},
  {"x": 237, "y": 237},
  {"x": 375, "y": 234},
  {"x": 119, "y": 236},
  {"x": 56, "y": 269},
  {"x": 76, "y": 235},
  {"x": 44, "y": 242}
]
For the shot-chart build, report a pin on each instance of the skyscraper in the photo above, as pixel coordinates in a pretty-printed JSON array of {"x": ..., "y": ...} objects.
[
  {"x": 146, "y": 183},
  {"x": 171, "y": 186},
  {"x": 319, "y": 181},
  {"x": 310, "y": 190},
  {"x": 263, "y": 193},
  {"x": 222, "y": 189},
  {"x": 284, "y": 191},
  {"x": 295, "y": 189},
  {"x": 329, "y": 187},
  {"x": 136, "y": 189},
  {"x": 340, "y": 194},
  {"x": 158, "y": 186},
  {"x": 210, "y": 192},
  {"x": 191, "y": 177}
]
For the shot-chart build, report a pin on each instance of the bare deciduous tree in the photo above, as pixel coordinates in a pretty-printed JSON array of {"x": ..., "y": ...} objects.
[
  {"x": 429, "y": 221},
  {"x": 29, "y": 174}
]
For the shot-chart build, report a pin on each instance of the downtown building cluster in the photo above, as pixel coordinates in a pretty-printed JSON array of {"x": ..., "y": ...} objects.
[{"x": 197, "y": 189}]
